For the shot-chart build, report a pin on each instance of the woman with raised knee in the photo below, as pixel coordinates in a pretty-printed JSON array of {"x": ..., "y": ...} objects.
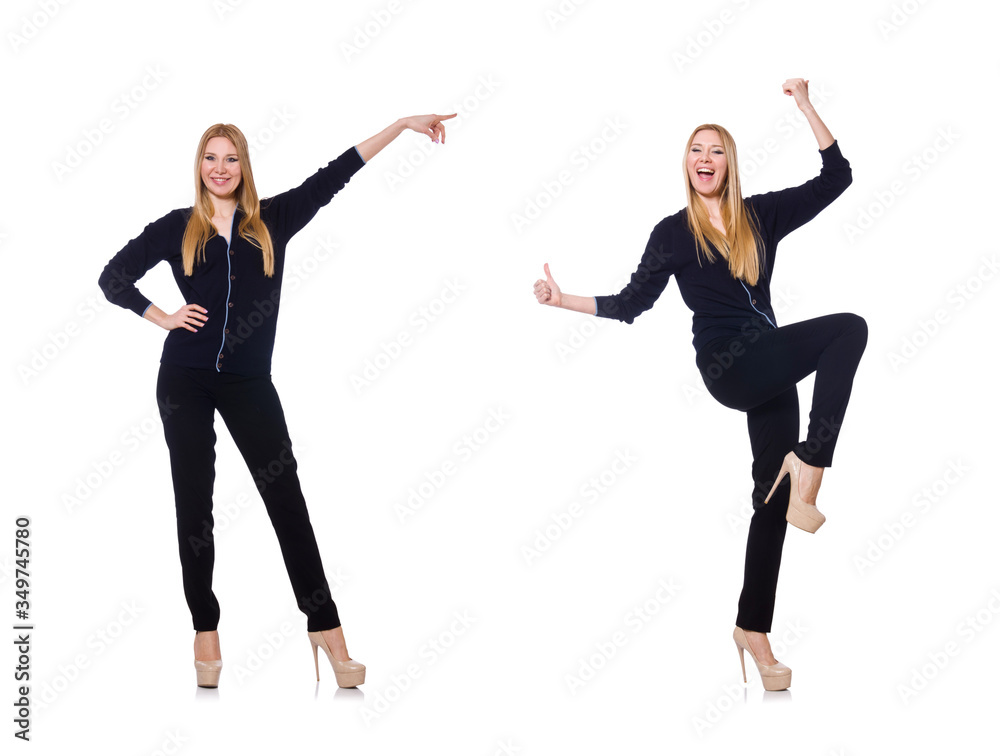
[{"x": 721, "y": 250}]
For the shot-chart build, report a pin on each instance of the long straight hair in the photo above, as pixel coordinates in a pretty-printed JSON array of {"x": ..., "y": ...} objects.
[
  {"x": 739, "y": 246},
  {"x": 200, "y": 227}
]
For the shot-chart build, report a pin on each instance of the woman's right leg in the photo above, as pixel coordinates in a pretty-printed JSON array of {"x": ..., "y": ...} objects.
[
  {"x": 188, "y": 414},
  {"x": 774, "y": 428}
]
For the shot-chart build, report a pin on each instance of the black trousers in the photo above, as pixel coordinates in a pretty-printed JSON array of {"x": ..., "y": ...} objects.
[
  {"x": 756, "y": 372},
  {"x": 188, "y": 399}
]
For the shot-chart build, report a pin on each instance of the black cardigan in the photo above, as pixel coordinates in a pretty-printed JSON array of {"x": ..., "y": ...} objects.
[
  {"x": 724, "y": 305},
  {"x": 242, "y": 302}
]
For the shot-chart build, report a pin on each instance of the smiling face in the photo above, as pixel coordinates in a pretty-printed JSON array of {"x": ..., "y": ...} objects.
[
  {"x": 220, "y": 167},
  {"x": 706, "y": 163}
]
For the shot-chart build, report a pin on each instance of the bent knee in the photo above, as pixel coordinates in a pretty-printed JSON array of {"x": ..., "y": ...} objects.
[{"x": 856, "y": 326}]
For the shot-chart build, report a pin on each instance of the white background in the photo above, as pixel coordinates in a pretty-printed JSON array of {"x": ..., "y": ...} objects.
[{"x": 876, "y": 613}]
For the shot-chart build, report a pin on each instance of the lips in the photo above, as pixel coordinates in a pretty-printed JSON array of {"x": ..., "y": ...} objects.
[
  {"x": 219, "y": 182},
  {"x": 705, "y": 174}
]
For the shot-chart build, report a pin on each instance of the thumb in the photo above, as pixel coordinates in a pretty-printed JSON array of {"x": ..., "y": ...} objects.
[{"x": 548, "y": 275}]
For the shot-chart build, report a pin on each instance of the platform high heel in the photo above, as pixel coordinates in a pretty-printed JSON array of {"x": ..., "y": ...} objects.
[
  {"x": 802, "y": 514},
  {"x": 773, "y": 676},
  {"x": 349, "y": 674},
  {"x": 208, "y": 673}
]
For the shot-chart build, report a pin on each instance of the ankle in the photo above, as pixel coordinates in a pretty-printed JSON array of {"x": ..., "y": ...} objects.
[
  {"x": 810, "y": 479},
  {"x": 206, "y": 645},
  {"x": 335, "y": 642},
  {"x": 760, "y": 645}
]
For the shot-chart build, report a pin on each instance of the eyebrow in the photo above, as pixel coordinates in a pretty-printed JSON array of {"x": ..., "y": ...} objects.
[
  {"x": 699, "y": 144},
  {"x": 230, "y": 154}
]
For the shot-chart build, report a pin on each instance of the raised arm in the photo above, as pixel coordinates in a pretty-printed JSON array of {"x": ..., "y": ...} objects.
[
  {"x": 799, "y": 89},
  {"x": 781, "y": 212},
  {"x": 288, "y": 213},
  {"x": 426, "y": 124}
]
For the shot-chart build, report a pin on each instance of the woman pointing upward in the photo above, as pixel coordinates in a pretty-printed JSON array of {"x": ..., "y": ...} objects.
[{"x": 227, "y": 256}]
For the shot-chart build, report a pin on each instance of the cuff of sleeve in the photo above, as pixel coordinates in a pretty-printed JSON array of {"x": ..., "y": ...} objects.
[
  {"x": 609, "y": 307},
  {"x": 358, "y": 153},
  {"x": 832, "y": 151},
  {"x": 143, "y": 313},
  {"x": 604, "y": 307}
]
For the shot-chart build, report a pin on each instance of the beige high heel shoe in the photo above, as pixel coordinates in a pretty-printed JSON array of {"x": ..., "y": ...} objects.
[
  {"x": 349, "y": 674},
  {"x": 208, "y": 671},
  {"x": 802, "y": 514},
  {"x": 773, "y": 676}
]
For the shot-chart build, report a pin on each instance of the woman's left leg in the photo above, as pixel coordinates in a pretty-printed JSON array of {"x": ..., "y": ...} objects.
[
  {"x": 753, "y": 369},
  {"x": 757, "y": 373},
  {"x": 252, "y": 411}
]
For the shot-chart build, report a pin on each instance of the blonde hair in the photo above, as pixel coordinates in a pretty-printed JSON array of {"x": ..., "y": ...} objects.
[
  {"x": 200, "y": 227},
  {"x": 739, "y": 245}
]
